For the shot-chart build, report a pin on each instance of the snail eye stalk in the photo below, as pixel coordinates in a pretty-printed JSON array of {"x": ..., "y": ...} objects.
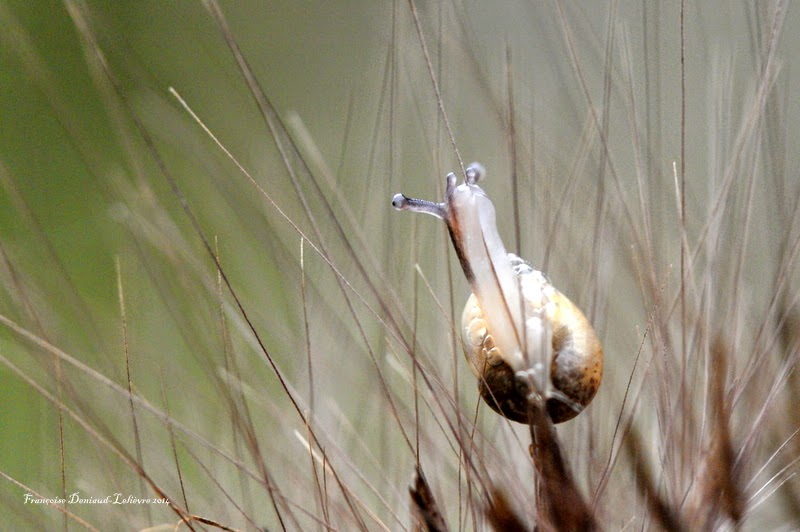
[
  {"x": 474, "y": 173},
  {"x": 402, "y": 203}
]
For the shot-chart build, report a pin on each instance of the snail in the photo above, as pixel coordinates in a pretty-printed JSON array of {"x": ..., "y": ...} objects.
[{"x": 516, "y": 326}]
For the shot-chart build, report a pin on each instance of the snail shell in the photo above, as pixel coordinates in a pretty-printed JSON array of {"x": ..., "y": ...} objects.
[
  {"x": 516, "y": 326},
  {"x": 576, "y": 366}
]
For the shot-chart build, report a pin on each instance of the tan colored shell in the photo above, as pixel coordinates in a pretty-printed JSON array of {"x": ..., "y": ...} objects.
[{"x": 576, "y": 366}]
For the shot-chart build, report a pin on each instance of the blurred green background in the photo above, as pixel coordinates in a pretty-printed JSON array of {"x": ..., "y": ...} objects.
[{"x": 81, "y": 188}]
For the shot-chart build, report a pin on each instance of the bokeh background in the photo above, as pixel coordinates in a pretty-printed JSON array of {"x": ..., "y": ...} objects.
[{"x": 593, "y": 93}]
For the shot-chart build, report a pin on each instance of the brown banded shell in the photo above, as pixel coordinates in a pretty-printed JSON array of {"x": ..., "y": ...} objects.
[{"x": 576, "y": 367}]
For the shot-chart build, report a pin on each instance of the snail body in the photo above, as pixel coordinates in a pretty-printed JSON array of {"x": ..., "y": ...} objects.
[{"x": 516, "y": 327}]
